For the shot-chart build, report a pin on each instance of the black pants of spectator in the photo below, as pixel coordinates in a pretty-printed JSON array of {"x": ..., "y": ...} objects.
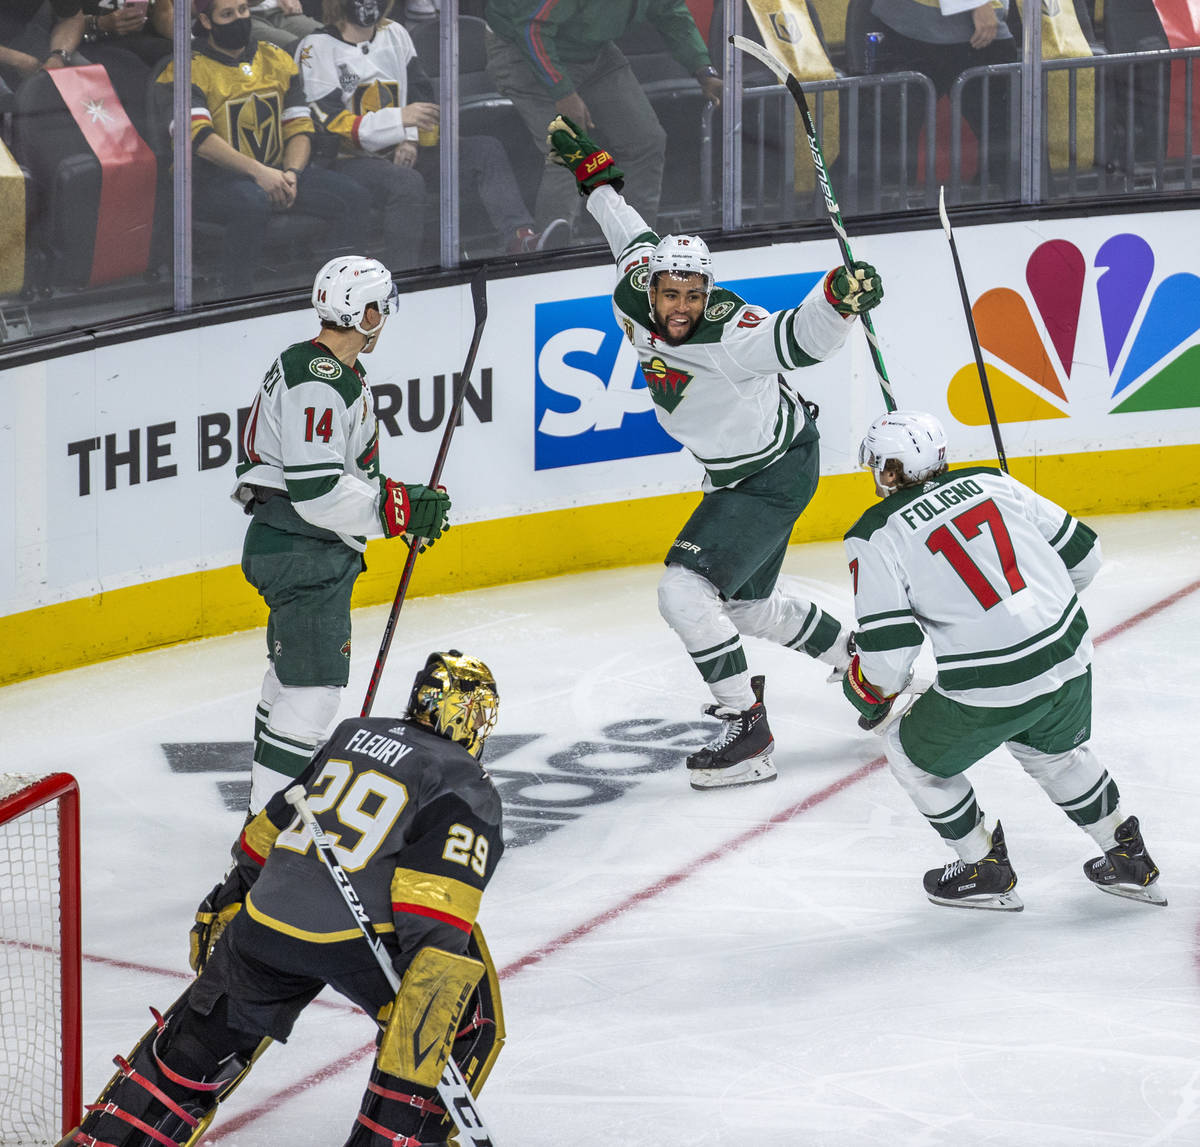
[
  {"x": 241, "y": 207},
  {"x": 486, "y": 178},
  {"x": 398, "y": 197},
  {"x": 943, "y": 64}
]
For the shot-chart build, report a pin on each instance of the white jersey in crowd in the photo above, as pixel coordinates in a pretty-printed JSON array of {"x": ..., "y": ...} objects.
[
  {"x": 358, "y": 91},
  {"x": 989, "y": 570},
  {"x": 719, "y": 393},
  {"x": 312, "y": 432}
]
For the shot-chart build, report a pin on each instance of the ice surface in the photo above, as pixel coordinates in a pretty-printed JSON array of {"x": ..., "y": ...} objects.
[{"x": 711, "y": 969}]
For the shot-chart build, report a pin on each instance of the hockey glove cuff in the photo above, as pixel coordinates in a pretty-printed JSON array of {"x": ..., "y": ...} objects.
[
  {"x": 592, "y": 164},
  {"x": 855, "y": 290},
  {"x": 394, "y": 507},
  {"x": 873, "y": 704}
]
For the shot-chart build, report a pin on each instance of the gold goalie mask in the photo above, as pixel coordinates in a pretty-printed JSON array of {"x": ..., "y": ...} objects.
[{"x": 455, "y": 696}]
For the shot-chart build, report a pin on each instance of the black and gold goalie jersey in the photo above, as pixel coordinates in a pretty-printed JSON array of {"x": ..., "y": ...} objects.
[
  {"x": 415, "y": 823},
  {"x": 255, "y": 102}
]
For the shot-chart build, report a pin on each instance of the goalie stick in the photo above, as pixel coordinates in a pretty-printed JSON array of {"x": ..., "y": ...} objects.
[
  {"x": 966, "y": 302},
  {"x": 452, "y": 1088},
  {"x": 479, "y": 303},
  {"x": 831, "y": 205}
]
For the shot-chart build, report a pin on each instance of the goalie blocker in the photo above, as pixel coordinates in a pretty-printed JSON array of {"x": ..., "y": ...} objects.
[{"x": 419, "y": 821}]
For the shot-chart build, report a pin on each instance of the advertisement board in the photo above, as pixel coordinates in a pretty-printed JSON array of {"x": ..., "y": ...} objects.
[{"x": 118, "y": 463}]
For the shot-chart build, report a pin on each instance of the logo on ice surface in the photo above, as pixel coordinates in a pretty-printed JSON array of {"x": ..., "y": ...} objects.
[
  {"x": 591, "y": 399},
  {"x": 1145, "y": 328}
]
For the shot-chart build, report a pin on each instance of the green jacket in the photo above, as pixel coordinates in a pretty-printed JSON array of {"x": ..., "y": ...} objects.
[{"x": 554, "y": 34}]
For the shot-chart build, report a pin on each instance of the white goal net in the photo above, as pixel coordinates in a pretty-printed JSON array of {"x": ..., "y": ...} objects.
[{"x": 39, "y": 958}]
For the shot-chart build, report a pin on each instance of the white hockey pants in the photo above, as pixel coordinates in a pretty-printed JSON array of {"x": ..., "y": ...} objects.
[
  {"x": 711, "y": 630},
  {"x": 1068, "y": 779},
  {"x": 290, "y": 722}
]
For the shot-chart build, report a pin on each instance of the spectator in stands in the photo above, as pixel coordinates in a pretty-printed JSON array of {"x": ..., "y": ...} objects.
[
  {"x": 252, "y": 138},
  {"x": 372, "y": 99},
  {"x": 282, "y": 22},
  {"x": 562, "y": 59},
  {"x": 145, "y": 29},
  {"x": 36, "y": 35},
  {"x": 920, "y": 38},
  {"x": 128, "y": 39}
]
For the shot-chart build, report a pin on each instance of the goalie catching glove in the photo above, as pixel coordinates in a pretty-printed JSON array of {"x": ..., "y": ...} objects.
[
  {"x": 853, "y": 290},
  {"x": 216, "y": 910},
  {"x": 592, "y": 164},
  {"x": 419, "y": 511},
  {"x": 873, "y": 704}
]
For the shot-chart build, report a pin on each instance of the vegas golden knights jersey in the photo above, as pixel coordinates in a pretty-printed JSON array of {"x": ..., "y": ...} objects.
[
  {"x": 415, "y": 822},
  {"x": 255, "y": 103},
  {"x": 358, "y": 92}
]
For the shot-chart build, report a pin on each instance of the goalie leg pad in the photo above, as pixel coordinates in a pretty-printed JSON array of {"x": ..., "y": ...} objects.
[
  {"x": 482, "y": 1033},
  {"x": 167, "y": 1090},
  {"x": 396, "y": 1111},
  {"x": 427, "y": 1014}
]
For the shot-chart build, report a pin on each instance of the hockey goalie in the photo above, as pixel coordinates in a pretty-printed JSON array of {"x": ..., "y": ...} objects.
[{"x": 417, "y": 822}]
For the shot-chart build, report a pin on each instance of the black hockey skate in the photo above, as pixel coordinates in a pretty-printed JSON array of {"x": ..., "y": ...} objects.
[
  {"x": 740, "y": 754},
  {"x": 988, "y": 883},
  {"x": 1126, "y": 869}
]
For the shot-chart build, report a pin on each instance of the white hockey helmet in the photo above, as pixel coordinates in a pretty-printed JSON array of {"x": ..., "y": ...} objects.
[
  {"x": 914, "y": 440},
  {"x": 346, "y": 286},
  {"x": 681, "y": 255}
]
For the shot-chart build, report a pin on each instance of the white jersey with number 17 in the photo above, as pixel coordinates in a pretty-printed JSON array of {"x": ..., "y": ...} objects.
[{"x": 989, "y": 570}]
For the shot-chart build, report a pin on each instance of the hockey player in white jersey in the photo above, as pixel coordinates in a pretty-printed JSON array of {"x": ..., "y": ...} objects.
[
  {"x": 312, "y": 483},
  {"x": 989, "y": 571},
  {"x": 714, "y": 367}
]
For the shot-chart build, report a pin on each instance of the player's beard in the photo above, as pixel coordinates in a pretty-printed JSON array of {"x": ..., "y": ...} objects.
[{"x": 663, "y": 331}]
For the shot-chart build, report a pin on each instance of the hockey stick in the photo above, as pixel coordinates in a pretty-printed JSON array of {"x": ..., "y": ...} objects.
[
  {"x": 835, "y": 216},
  {"x": 452, "y": 1088},
  {"x": 966, "y": 302},
  {"x": 479, "y": 302}
]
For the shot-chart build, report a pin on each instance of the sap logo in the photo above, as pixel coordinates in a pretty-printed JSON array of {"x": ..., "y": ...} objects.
[{"x": 591, "y": 403}]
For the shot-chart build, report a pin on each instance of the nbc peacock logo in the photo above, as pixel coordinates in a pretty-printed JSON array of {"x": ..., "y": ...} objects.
[{"x": 1148, "y": 330}]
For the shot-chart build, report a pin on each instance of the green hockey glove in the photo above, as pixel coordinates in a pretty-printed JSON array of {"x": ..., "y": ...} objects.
[
  {"x": 854, "y": 291},
  {"x": 416, "y": 510},
  {"x": 430, "y": 505},
  {"x": 592, "y": 164},
  {"x": 873, "y": 704}
]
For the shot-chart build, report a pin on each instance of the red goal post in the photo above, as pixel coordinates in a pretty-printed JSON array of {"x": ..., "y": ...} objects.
[{"x": 40, "y": 995}]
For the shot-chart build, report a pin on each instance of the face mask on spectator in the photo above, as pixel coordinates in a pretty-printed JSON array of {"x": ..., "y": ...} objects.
[
  {"x": 364, "y": 13},
  {"x": 232, "y": 36}
]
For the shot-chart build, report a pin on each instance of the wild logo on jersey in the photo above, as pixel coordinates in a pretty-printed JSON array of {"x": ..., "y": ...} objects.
[
  {"x": 666, "y": 383},
  {"x": 253, "y": 126}
]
